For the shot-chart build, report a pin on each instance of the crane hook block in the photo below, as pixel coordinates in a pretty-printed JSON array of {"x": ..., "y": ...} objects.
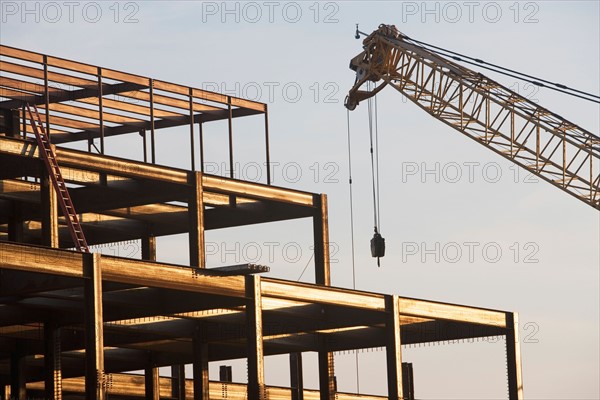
[{"x": 377, "y": 245}]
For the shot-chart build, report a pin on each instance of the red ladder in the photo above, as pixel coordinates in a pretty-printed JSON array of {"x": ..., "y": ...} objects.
[{"x": 66, "y": 204}]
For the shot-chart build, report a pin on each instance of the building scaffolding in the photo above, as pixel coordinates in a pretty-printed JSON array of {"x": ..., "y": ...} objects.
[{"x": 74, "y": 324}]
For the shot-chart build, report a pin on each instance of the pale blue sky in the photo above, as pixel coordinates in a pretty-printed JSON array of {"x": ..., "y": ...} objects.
[{"x": 201, "y": 44}]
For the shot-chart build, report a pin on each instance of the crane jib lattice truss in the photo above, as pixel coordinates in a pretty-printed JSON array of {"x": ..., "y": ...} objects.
[{"x": 542, "y": 142}]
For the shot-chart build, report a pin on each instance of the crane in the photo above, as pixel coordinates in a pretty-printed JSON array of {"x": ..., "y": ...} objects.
[{"x": 535, "y": 138}]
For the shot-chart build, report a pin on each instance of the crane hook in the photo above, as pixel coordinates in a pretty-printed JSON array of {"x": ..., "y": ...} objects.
[{"x": 377, "y": 246}]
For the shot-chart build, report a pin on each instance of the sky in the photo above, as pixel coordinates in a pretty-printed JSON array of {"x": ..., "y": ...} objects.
[{"x": 544, "y": 258}]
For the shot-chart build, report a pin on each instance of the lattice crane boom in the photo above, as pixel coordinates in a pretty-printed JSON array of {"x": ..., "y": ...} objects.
[{"x": 542, "y": 142}]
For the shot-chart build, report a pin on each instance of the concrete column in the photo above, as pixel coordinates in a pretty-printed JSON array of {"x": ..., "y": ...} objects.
[
  {"x": 15, "y": 223},
  {"x": 149, "y": 248},
  {"x": 52, "y": 361},
  {"x": 254, "y": 337},
  {"x": 321, "y": 240},
  {"x": 196, "y": 219},
  {"x": 95, "y": 388},
  {"x": 296, "y": 378},
  {"x": 178, "y": 382},
  {"x": 327, "y": 385},
  {"x": 513, "y": 357},
  {"x": 49, "y": 207},
  {"x": 152, "y": 383},
  {"x": 17, "y": 372},
  {"x": 200, "y": 367},
  {"x": 393, "y": 348},
  {"x": 322, "y": 277}
]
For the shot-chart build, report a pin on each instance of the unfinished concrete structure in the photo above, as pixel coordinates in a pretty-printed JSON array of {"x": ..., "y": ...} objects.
[{"x": 73, "y": 323}]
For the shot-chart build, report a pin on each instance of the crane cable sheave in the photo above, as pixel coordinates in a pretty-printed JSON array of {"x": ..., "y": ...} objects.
[
  {"x": 382, "y": 51},
  {"x": 376, "y": 60}
]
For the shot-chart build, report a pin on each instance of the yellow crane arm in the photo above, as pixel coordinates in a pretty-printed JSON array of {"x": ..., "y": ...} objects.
[{"x": 542, "y": 142}]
